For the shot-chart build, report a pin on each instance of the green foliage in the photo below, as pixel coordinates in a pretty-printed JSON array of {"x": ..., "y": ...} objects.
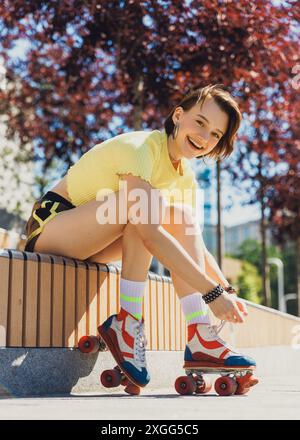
[
  {"x": 250, "y": 253},
  {"x": 250, "y": 250},
  {"x": 249, "y": 283}
]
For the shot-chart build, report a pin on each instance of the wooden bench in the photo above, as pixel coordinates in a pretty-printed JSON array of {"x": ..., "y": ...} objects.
[{"x": 51, "y": 301}]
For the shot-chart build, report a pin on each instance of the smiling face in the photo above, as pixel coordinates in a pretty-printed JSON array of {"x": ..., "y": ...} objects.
[{"x": 202, "y": 127}]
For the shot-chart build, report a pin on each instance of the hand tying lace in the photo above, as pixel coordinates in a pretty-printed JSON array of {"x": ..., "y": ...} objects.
[{"x": 140, "y": 343}]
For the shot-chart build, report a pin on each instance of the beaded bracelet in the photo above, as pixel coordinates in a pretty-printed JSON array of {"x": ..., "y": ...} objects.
[
  {"x": 230, "y": 289},
  {"x": 213, "y": 294}
]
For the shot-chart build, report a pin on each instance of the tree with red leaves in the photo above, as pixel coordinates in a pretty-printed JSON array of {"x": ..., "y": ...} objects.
[
  {"x": 283, "y": 191},
  {"x": 95, "y": 69}
]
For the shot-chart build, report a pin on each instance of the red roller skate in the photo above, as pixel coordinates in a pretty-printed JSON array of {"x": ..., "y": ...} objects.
[{"x": 207, "y": 353}]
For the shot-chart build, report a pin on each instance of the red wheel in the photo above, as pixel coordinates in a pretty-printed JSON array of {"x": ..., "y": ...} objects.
[
  {"x": 88, "y": 344},
  {"x": 225, "y": 386},
  {"x": 124, "y": 380},
  {"x": 205, "y": 387},
  {"x": 241, "y": 390},
  {"x": 110, "y": 378},
  {"x": 132, "y": 389},
  {"x": 185, "y": 385},
  {"x": 244, "y": 384},
  {"x": 253, "y": 381}
]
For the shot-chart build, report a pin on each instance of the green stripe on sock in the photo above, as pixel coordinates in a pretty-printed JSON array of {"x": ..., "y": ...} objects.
[
  {"x": 137, "y": 315},
  {"x": 131, "y": 298},
  {"x": 194, "y": 314}
]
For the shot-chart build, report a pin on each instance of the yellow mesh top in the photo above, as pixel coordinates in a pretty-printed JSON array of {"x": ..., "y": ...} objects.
[{"x": 141, "y": 153}]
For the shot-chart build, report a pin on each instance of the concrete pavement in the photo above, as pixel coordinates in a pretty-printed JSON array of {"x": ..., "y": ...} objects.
[{"x": 276, "y": 397}]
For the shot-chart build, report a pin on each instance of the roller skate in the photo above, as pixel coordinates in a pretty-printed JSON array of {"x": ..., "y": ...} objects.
[
  {"x": 109, "y": 378},
  {"x": 207, "y": 353},
  {"x": 124, "y": 337}
]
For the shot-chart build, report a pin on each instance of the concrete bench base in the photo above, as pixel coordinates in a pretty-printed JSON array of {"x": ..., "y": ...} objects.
[{"x": 44, "y": 371}]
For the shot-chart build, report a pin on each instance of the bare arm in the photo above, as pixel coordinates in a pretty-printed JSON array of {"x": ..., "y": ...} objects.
[
  {"x": 157, "y": 240},
  {"x": 168, "y": 250},
  {"x": 172, "y": 255},
  {"x": 213, "y": 270}
]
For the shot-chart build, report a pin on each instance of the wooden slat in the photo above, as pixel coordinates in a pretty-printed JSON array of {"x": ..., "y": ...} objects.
[
  {"x": 30, "y": 301},
  {"x": 147, "y": 314},
  {"x": 108, "y": 293},
  {"x": 113, "y": 278},
  {"x": 15, "y": 309},
  {"x": 178, "y": 324},
  {"x": 57, "y": 302},
  {"x": 166, "y": 315},
  {"x": 160, "y": 316},
  {"x": 92, "y": 278},
  {"x": 181, "y": 323},
  {"x": 81, "y": 301},
  {"x": 154, "y": 332},
  {"x": 4, "y": 294},
  {"x": 173, "y": 322},
  {"x": 69, "y": 304},
  {"x": 44, "y": 301},
  {"x": 102, "y": 291},
  {"x": 118, "y": 289}
]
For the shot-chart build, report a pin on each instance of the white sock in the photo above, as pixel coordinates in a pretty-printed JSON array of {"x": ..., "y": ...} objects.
[
  {"x": 131, "y": 297},
  {"x": 194, "y": 309}
]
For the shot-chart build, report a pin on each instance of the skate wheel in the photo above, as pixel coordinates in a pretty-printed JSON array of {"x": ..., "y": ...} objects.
[
  {"x": 252, "y": 381},
  {"x": 245, "y": 383},
  {"x": 132, "y": 389},
  {"x": 205, "y": 387},
  {"x": 124, "y": 380},
  {"x": 88, "y": 344},
  {"x": 110, "y": 378},
  {"x": 225, "y": 386},
  {"x": 185, "y": 385},
  {"x": 242, "y": 385},
  {"x": 241, "y": 390}
]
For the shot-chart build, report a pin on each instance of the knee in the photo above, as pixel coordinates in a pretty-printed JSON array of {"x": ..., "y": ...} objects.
[{"x": 179, "y": 220}]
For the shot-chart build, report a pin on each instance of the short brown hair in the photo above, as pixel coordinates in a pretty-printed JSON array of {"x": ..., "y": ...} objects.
[{"x": 226, "y": 103}]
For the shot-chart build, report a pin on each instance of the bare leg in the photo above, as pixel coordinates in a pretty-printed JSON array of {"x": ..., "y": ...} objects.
[
  {"x": 136, "y": 259},
  {"x": 193, "y": 244},
  {"x": 129, "y": 248}
]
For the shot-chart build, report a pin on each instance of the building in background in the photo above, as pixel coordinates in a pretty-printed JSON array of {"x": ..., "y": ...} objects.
[{"x": 236, "y": 235}]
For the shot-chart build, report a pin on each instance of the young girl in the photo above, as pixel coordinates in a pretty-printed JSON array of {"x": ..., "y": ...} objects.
[{"x": 69, "y": 221}]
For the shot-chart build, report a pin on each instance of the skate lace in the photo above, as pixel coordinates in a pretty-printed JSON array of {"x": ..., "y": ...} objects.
[
  {"x": 214, "y": 331},
  {"x": 140, "y": 343}
]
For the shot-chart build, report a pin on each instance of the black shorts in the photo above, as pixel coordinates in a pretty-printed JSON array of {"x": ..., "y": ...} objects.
[{"x": 43, "y": 211}]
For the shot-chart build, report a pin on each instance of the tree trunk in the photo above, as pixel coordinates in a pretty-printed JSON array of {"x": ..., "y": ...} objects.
[
  {"x": 264, "y": 271},
  {"x": 138, "y": 103},
  {"x": 298, "y": 272},
  {"x": 219, "y": 224}
]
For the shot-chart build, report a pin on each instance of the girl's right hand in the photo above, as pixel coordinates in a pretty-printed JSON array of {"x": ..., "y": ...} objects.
[{"x": 225, "y": 308}]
